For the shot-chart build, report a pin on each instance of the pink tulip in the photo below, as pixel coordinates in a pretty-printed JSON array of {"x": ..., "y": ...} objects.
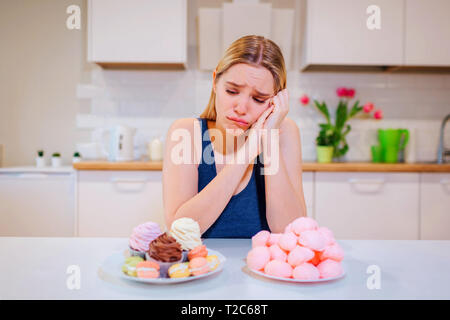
[
  {"x": 304, "y": 99},
  {"x": 378, "y": 115},
  {"x": 341, "y": 92},
  {"x": 350, "y": 93},
  {"x": 368, "y": 107}
]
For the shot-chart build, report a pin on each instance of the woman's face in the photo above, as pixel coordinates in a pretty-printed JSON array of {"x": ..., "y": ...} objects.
[{"x": 243, "y": 93}]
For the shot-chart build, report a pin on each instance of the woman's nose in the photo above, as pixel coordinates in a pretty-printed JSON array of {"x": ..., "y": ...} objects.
[{"x": 241, "y": 106}]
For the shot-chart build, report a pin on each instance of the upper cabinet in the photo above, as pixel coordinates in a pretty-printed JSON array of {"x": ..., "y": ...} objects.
[
  {"x": 337, "y": 33},
  {"x": 427, "y": 39},
  {"x": 142, "y": 32},
  {"x": 385, "y": 33}
]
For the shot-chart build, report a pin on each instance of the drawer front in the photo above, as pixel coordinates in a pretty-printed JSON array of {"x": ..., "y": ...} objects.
[
  {"x": 368, "y": 205},
  {"x": 112, "y": 203}
]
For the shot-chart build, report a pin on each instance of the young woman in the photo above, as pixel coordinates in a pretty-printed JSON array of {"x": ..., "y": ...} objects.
[{"x": 227, "y": 197}]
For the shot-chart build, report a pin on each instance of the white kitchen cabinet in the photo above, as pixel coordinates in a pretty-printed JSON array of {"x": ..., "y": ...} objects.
[
  {"x": 435, "y": 206},
  {"x": 337, "y": 34},
  {"x": 112, "y": 203},
  {"x": 137, "y": 31},
  {"x": 368, "y": 205},
  {"x": 37, "y": 203},
  {"x": 308, "y": 192},
  {"x": 427, "y": 38}
]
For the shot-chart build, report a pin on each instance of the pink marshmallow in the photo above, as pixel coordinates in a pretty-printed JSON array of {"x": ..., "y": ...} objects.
[
  {"x": 278, "y": 268},
  {"x": 313, "y": 240},
  {"x": 304, "y": 223},
  {"x": 274, "y": 238},
  {"x": 260, "y": 239},
  {"x": 329, "y": 269},
  {"x": 276, "y": 253},
  {"x": 306, "y": 271},
  {"x": 288, "y": 241},
  {"x": 333, "y": 252},
  {"x": 288, "y": 228},
  {"x": 328, "y": 234},
  {"x": 258, "y": 257},
  {"x": 299, "y": 255}
]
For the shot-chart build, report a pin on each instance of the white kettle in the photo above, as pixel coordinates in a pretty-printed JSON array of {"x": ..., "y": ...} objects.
[{"x": 121, "y": 143}]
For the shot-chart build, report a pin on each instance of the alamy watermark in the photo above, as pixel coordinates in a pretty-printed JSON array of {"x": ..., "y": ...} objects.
[
  {"x": 73, "y": 281},
  {"x": 74, "y": 20},
  {"x": 374, "y": 280}
]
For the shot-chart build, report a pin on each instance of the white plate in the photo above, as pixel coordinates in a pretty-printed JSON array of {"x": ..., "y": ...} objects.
[
  {"x": 296, "y": 280},
  {"x": 113, "y": 267}
]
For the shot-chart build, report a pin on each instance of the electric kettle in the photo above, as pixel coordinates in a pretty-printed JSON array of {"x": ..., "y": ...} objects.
[{"x": 121, "y": 143}]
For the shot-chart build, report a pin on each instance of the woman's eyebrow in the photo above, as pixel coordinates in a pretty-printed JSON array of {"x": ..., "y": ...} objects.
[{"x": 242, "y": 85}]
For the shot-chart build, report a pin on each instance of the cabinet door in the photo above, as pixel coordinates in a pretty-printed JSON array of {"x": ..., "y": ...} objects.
[
  {"x": 337, "y": 33},
  {"x": 112, "y": 203},
  {"x": 308, "y": 192},
  {"x": 435, "y": 206},
  {"x": 137, "y": 31},
  {"x": 368, "y": 205},
  {"x": 427, "y": 39}
]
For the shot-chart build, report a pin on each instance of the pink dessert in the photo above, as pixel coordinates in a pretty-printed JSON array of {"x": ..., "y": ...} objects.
[
  {"x": 306, "y": 271},
  {"x": 329, "y": 269},
  {"x": 312, "y": 239},
  {"x": 260, "y": 239},
  {"x": 302, "y": 224},
  {"x": 276, "y": 253},
  {"x": 288, "y": 241},
  {"x": 299, "y": 255},
  {"x": 278, "y": 268},
  {"x": 198, "y": 266},
  {"x": 328, "y": 234},
  {"x": 274, "y": 238},
  {"x": 258, "y": 257},
  {"x": 333, "y": 252},
  {"x": 288, "y": 228},
  {"x": 143, "y": 234}
]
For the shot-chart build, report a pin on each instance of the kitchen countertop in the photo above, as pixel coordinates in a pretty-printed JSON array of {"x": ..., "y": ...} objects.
[
  {"x": 36, "y": 268},
  {"x": 34, "y": 169},
  {"x": 307, "y": 166}
]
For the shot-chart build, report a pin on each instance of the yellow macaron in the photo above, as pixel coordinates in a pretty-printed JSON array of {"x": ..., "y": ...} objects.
[
  {"x": 179, "y": 270},
  {"x": 213, "y": 262}
]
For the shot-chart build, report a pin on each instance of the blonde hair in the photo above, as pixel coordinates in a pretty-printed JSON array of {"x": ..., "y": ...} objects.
[{"x": 253, "y": 50}]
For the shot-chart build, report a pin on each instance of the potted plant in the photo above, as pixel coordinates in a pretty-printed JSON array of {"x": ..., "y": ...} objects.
[
  {"x": 333, "y": 135},
  {"x": 40, "y": 160},
  {"x": 76, "y": 157},
  {"x": 56, "y": 160}
]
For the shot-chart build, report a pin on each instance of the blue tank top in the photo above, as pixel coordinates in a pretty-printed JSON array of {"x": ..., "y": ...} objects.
[{"x": 245, "y": 213}]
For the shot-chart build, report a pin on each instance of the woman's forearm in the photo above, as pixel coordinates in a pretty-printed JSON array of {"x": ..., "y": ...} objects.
[{"x": 206, "y": 206}]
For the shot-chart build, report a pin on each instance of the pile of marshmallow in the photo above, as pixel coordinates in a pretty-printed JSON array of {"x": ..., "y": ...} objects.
[{"x": 304, "y": 251}]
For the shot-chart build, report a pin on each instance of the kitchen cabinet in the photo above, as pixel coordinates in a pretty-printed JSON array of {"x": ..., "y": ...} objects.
[
  {"x": 435, "y": 206},
  {"x": 37, "y": 204},
  {"x": 137, "y": 32},
  {"x": 427, "y": 34},
  {"x": 112, "y": 203},
  {"x": 368, "y": 205},
  {"x": 336, "y": 33}
]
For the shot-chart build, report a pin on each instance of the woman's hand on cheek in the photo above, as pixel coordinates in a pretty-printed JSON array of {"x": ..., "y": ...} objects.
[{"x": 280, "y": 105}]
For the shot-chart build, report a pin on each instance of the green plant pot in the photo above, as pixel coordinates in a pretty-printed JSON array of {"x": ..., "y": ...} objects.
[{"x": 324, "y": 154}]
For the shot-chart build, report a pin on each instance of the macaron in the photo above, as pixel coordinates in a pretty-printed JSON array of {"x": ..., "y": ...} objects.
[
  {"x": 198, "y": 266},
  {"x": 213, "y": 262},
  {"x": 312, "y": 239},
  {"x": 288, "y": 241},
  {"x": 333, "y": 252},
  {"x": 278, "y": 268},
  {"x": 258, "y": 257},
  {"x": 328, "y": 234},
  {"x": 179, "y": 270},
  {"x": 304, "y": 223},
  {"x": 147, "y": 269},
  {"x": 199, "y": 251},
  {"x": 130, "y": 264},
  {"x": 274, "y": 238},
  {"x": 276, "y": 253}
]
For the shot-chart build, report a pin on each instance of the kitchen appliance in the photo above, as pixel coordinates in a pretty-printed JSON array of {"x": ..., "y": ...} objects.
[
  {"x": 392, "y": 141},
  {"x": 120, "y": 139}
]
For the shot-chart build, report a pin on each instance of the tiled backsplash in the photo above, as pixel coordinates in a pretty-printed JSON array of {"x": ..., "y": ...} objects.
[{"x": 152, "y": 100}]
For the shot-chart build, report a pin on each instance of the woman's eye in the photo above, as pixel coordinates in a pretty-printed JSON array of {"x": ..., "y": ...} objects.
[{"x": 233, "y": 92}]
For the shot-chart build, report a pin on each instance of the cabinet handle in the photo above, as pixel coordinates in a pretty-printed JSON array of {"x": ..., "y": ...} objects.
[{"x": 366, "y": 181}]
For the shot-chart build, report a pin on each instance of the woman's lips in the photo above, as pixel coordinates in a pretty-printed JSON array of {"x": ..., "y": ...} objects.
[{"x": 238, "y": 121}]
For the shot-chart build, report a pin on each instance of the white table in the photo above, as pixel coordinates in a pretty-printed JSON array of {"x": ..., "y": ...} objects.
[{"x": 35, "y": 268}]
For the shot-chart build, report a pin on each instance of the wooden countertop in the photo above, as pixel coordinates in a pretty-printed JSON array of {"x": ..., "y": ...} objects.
[{"x": 307, "y": 166}]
